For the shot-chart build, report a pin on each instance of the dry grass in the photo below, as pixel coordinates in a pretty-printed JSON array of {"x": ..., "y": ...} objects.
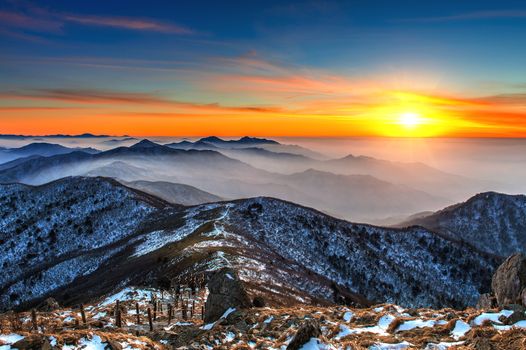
[{"x": 264, "y": 328}]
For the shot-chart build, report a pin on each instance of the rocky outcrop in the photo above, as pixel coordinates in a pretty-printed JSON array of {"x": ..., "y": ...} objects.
[
  {"x": 226, "y": 292},
  {"x": 310, "y": 329},
  {"x": 486, "y": 301},
  {"x": 509, "y": 281}
]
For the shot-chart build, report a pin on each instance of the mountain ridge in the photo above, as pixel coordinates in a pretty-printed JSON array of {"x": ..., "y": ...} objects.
[{"x": 275, "y": 245}]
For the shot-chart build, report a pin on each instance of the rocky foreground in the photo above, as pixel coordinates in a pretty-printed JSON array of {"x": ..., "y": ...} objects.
[
  {"x": 218, "y": 313},
  {"x": 382, "y": 327}
]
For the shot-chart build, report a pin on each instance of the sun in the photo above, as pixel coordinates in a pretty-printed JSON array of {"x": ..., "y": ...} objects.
[{"x": 410, "y": 120}]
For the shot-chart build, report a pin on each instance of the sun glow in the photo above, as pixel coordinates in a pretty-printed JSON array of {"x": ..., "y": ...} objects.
[{"x": 410, "y": 119}]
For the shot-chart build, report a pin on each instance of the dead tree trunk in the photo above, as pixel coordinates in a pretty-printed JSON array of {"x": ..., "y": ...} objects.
[
  {"x": 137, "y": 313},
  {"x": 150, "y": 319},
  {"x": 83, "y": 314},
  {"x": 118, "y": 320},
  {"x": 34, "y": 320}
]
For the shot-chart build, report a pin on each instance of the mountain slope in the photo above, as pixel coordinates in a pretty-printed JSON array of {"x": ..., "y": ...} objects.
[
  {"x": 360, "y": 198},
  {"x": 39, "y": 149},
  {"x": 492, "y": 222},
  {"x": 78, "y": 238},
  {"x": 175, "y": 193}
]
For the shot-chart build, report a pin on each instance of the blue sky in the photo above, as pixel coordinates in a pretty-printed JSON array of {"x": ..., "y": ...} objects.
[{"x": 176, "y": 48}]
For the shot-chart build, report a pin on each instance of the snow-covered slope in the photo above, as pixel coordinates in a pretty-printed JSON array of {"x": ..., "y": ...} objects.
[
  {"x": 51, "y": 234},
  {"x": 78, "y": 238},
  {"x": 492, "y": 222}
]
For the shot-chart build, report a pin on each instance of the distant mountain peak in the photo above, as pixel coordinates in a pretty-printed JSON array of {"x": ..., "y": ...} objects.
[
  {"x": 145, "y": 144},
  {"x": 244, "y": 140},
  {"x": 248, "y": 139},
  {"x": 212, "y": 139}
]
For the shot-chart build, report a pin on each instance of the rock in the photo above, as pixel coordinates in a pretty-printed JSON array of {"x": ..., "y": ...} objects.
[
  {"x": 226, "y": 291},
  {"x": 515, "y": 317},
  {"x": 114, "y": 345},
  {"x": 31, "y": 342},
  {"x": 259, "y": 302},
  {"x": 486, "y": 301},
  {"x": 515, "y": 307},
  {"x": 509, "y": 281},
  {"x": 50, "y": 304},
  {"x": 309, "y": 329}
]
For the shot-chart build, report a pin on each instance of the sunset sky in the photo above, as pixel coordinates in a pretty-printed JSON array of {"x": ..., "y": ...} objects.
[{"x": 264, "y": 68}]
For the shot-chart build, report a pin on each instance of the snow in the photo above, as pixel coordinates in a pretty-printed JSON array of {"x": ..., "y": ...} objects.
[
  {"x": 408, "y": 325},
  {"x": 94, "y": 344},
  {"x": 347, "y": 316},
  {"x": 380, "y": 328},
  {"x": 268, "y": 320},
  {"x": 10, "y": 338},
  {"x": 209, "y": 326},
  {"x": 442, "y": 345},
  {"x": 227, "y": 312},
  {"x": 461, "y": 328},
  {"x": 229, "y": 337},
  {"x": 493, "y": 317},
  {"x": 316, "y": 344},
  {"x": 386, "y": 346},
  {"x": 130, "y": 293},
  {"x": 520, "y": 324}
]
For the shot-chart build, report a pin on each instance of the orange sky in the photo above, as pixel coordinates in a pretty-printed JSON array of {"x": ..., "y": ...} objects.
[{"x": 327, "y": 107}]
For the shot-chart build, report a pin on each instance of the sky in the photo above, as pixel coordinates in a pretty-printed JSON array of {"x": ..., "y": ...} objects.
[{"x": 264, "y": 68}]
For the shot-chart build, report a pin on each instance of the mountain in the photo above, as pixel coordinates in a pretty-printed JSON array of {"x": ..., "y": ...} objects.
[
  {"x": 57, "y": 136},
  {"x": 39, "y": 149},
  {"x": 175, "y": 193},
  {"x": 119, "y": 170},
  {"x": 492, "y": 222},
  {"x": 216, "y": 143},
  {"x": 416, "y": 175},
  {"x": 244, "y": 141},
  {"x": 284, "y": 159},
  {"x": 363, "y": 196},
  {"x": 78, "y": 238},
  {"x": 356, "y": 197}
]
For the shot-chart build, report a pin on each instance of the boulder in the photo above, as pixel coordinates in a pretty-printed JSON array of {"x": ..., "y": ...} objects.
[
  {"x": 309, "y": 329},
  {"x": 515, "y": 317},
  {"x": 50, "y": 304},
  {"x": 30, "y": 342},
  {"x": 226, "y": 291},
  {"x": 509, "y": 281},
  {"x": 486, "y": 301},
  {"x": 259, "y": 301}
]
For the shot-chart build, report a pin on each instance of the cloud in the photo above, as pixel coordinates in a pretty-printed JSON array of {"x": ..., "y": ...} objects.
[
  {"x": 129, "y": 23},
  {"x": 478, "y": 15},
  {"x": 106, "y": 97},
  {"x": 36, "y": 19},
  {"x": 22, "y": 21}
]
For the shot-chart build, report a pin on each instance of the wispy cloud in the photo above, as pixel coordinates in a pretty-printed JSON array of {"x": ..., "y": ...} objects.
[
  {"x": 105, "y": 97},
  {"x": 477, "y": 15},
  {"x": 129, "y": 23},
  {"x": 38, "y": 20},
  {"x": 23, "y": 21}
]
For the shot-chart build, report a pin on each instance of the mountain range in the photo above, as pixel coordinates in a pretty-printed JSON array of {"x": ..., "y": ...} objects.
[
  {"x": 39, "y": 149},
  {"x": 80, "y": 237},
  {"x": 492, "y": 222},
  {"x": 357, "y": 197}
]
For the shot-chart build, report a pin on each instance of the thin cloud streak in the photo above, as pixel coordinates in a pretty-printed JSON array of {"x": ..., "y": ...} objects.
[
  {"x": 36, "y": 19},
  {"x": 479, "y": 15},
  {"x": 129, "y": 23}
]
